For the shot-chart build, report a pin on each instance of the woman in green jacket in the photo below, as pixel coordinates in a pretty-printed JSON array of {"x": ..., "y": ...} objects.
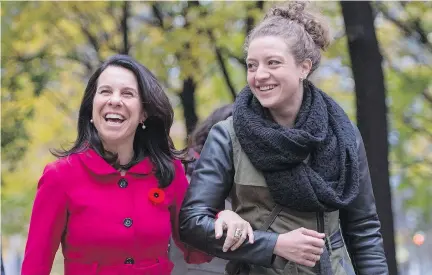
[{"x": 291, "y": 161}]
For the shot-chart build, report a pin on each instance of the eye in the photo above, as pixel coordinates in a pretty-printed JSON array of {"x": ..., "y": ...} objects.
[
  {"x": 104, "y": 92},
  {"x": 128, "y": 93},
  {"x": 274, "y": 62},
  {"x": 251, "y": 66}
]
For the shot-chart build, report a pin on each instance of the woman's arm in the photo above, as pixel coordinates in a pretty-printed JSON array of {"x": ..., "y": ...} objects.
[
  {"x": 361, "y": 226},
  {"x": 211, "y": 183},
  {"x": 47, "y": 224},
  {"x": 191, "y": 255}
]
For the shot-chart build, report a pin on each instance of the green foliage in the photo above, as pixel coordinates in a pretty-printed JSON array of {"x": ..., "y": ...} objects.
[
  {"x": 49, "y": 49},
  {"x": 409, "y": 88}
]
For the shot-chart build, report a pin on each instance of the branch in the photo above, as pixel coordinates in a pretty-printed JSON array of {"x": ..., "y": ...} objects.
[
  {"x": 408, "y": 28},
  {"x": 72, "y": 55},
  {"x": 91, "y": 39},
  {"x": 124, "y": 26},
  {"x": 222, "y": 65},
  {"x": 416, "y": 128},
  {"x": 59, "y": 103},
  {"x": 250, "y": 22},
  {"x": 158, "y": 14},
  {"x": 107, "y": 36},
  {"x": 230, "y": 54}
]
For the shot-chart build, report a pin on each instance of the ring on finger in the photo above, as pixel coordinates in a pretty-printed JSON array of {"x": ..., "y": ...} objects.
[{"x": 238, "y": 233}]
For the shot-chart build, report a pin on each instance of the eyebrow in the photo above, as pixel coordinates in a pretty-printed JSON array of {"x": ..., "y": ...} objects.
[
  {"x": 267, "y": 57},
  {"x": 275, "y": 56},
  {"x": 125, "y": 88},
  {"x": 103, "y": 86}
]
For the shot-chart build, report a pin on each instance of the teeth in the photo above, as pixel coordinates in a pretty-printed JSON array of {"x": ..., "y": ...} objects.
[
  {"x": 265, "y": 88},
  {"x": 114, "y": 116}
]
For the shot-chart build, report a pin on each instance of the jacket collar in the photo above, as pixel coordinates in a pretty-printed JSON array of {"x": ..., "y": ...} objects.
[{"x": 95, "y": 163}]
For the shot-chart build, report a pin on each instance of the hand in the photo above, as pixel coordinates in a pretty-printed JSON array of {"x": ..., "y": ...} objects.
[
  {"x": 302, "y": 246},
  {"x": 231, "y": 221}
]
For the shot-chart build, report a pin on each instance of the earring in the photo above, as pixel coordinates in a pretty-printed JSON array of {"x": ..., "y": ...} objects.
[
  {"x": 143, "y": 126},
  {"x": 301, "y": 79},
  {"x": 91, "y": 120}
]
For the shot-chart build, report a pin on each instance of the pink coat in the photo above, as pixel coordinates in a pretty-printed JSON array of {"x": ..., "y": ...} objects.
[{"x": 107, "y": 223}]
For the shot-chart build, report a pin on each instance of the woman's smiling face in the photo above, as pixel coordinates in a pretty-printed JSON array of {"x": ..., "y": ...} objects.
[
  {"x": 117, "y": 107},
  {"x": 273, "y": 74}
]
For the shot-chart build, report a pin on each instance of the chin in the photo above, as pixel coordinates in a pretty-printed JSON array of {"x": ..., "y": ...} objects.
[{"x": 268, "y": 103}]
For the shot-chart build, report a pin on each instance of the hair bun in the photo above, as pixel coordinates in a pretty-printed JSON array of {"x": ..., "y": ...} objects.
[
  {"x": 298, "y": 12},
  {"x": 293, "y": 10}
]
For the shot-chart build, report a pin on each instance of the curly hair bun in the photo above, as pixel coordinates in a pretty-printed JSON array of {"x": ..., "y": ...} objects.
[{"x": 299, "y": 12}]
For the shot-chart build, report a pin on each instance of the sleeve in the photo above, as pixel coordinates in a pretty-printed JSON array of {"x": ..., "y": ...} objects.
[
  {"x": 191, "y": 255},
  {"x": 211, "y": 183},
  {"x": 361, "y": 226},
  {"x": 47, "y": 224}
]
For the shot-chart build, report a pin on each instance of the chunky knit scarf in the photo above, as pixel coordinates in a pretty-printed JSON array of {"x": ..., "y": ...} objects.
[{"x": 322, "y": 132}]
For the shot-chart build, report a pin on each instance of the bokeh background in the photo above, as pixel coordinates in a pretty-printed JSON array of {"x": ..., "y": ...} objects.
[{"x": 379, "y": 68}]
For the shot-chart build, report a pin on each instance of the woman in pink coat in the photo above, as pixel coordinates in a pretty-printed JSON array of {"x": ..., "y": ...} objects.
[{"x": 113, "y": 199}]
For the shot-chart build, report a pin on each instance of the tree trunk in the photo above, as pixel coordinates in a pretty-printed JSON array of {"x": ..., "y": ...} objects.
[
  {"x": 125, "y": 27},
  {"x": 187, "y": 97},
  {"x": 371, "y": 111}
]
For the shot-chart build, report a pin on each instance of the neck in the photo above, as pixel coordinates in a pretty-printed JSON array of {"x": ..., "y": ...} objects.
[
  {"x": 124, "y": 151},
  {"x": 286, "y": 115}
]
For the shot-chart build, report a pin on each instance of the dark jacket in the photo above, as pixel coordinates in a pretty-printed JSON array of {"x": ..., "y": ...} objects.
[
  {"x": 216, "y": 266},
  {"x": 212, "y": 182}
]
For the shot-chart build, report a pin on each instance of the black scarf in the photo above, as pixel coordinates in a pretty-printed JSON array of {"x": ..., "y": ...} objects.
[{"x": 322, "y": 133}]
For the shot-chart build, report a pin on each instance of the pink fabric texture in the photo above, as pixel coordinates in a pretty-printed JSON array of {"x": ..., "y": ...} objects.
[{"x": 106, "y": 223}]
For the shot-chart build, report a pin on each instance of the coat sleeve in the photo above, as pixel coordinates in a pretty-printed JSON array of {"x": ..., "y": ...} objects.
[
  {"x": 361, "y": 226},
  {"x": 191, "y": 255},
  {"x": 47, "y": 224},
  {"x": 211, "y": 184}
]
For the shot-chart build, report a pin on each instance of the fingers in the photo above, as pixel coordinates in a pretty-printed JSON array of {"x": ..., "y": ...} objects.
[
  {"x": 312, "y": 233},
  {"x": 250, "y": 233},
  {"x": 315, "y": 250},
  {"x": 230, "y": 240},
  {"x": 240, "y": 240},
  {"x": 218, "y": 228},
  {"x": 316, "y": 242},
  {"x": 312, "y": 257}
]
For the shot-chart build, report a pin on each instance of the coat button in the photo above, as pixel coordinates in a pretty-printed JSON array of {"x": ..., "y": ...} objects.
[
  {"x": 129, "y": 261},
  {"x": 122, "y": 183},
  {"x": 127, "y": 222}
]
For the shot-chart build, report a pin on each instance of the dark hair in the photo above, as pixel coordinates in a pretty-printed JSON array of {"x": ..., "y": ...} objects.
[
  {"x": 305, "y": 31},
  {"x": 153, "y": 142},
  {"x": 199, "y": 135}
]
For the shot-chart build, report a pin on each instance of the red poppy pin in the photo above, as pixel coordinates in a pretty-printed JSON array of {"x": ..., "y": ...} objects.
[{"x": 156, "y": 195}]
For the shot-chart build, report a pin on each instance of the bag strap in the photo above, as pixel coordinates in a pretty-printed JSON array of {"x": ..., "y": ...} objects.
[{"x": 269, "y": 221}]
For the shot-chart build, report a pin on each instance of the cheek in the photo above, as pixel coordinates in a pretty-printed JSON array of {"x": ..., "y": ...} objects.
[
  {"x": 136, "y": 112},
  {"x": 98, "y": 103},
  {"x": 250, "y": 79}
]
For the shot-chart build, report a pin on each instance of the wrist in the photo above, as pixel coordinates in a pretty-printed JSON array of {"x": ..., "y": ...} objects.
[{"x": 276, "y": 249}]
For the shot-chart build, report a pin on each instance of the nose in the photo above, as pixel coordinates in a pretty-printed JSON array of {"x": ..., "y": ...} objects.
[
  {"x": 115, "y": 99},
  {"x": 261, "y": 74}
]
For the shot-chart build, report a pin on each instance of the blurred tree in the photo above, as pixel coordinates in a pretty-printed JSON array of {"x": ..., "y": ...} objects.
[
  {"x": 371, "y": 111},
  {"x": 49, "y": 49},
  {"x": 408, "y": 58}
]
